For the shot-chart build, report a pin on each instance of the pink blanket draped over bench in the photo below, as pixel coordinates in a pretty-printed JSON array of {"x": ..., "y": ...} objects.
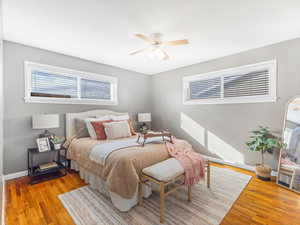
[{"x": 191, "y": 161}]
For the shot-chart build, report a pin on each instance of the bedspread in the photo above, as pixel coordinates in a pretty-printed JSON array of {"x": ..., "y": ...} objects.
[{"x": 123, "y": 167}]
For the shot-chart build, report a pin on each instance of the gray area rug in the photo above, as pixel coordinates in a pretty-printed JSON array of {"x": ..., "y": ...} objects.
[{"x": 209, "y": 206}]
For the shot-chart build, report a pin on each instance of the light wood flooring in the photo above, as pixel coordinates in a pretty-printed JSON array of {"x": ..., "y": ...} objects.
[{"x": 260, "y": 202}]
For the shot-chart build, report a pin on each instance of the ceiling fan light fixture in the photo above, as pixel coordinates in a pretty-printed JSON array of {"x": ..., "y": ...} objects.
[
  {"x": 159, "y": 53},
  {"x": 151, "y": 54},
  {"x": 156, "y": 44}
]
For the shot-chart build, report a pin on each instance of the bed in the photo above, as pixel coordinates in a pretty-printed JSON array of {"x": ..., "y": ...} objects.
[{"x": 118, "y": 178}]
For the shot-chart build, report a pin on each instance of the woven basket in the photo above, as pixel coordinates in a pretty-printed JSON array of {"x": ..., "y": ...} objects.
[{"x": 263, "y": 172}]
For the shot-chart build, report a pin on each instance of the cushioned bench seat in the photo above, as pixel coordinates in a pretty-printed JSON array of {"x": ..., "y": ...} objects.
[
  {"x": 165, "y": 171},
  {"x": 164, "y": 174}
]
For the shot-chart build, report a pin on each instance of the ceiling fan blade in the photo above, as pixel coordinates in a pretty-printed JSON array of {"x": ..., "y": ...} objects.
[
  {"x": 161, "y": 54},
  {"x": 139, "y": 51},
  {"x": 177, "y": 42},
  {"x": 296, "y": 101},
  {"x": 145, "y": 38}
]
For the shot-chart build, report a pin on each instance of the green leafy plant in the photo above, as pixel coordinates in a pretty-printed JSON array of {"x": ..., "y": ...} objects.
[
  {"x": 57, "y": 140},
  {"x": 264, "y": 141},
  {"x": 143, "y": 129}
]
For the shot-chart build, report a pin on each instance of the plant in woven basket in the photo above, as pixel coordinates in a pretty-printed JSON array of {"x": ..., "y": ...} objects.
[{"x": 264, "y": 141}]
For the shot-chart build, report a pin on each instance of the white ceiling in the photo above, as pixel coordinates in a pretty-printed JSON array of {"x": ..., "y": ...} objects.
[{"x": 103, "y": 30}]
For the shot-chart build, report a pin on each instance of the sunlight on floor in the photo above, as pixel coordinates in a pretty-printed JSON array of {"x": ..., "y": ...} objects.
[{"x": 210, "y": 141}]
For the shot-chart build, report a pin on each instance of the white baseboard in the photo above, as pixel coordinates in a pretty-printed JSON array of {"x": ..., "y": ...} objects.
[
  {"x": 238, "y": 165},
  {"x": 15, "y": 175},
  {"x": 274, "y": 173}
]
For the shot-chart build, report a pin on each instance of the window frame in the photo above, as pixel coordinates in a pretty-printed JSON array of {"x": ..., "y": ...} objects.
[
  {"x": 271, "y": 66},
  {"x": 30, "y": 66}
]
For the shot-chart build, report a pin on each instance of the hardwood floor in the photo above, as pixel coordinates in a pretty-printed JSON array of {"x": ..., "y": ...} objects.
[
  {"x": 263, "y": 203},
  {"x": 38, "y": 204},
  {"x": 260, "y": 202}
]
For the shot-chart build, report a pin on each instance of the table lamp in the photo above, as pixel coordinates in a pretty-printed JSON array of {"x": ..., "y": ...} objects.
[
  {"x": 45, "y": 121},
  {"x": 144, "y": 118}
]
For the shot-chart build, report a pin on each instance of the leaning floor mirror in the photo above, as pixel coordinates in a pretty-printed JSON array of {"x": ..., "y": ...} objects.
[{"x": 289, "y": 159}]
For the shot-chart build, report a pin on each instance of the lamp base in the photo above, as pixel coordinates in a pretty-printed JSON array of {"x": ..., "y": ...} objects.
[{"x": 46, "y": 134}]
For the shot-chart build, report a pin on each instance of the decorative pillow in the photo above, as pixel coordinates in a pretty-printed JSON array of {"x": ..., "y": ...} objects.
[
  {"x": 90, "y": 127},
  {"x": 115, "y": 130},
  {"x": 123, "y": 118},
  {"x": 99, "y": 129},
  {"x": 81, "y": 129}
]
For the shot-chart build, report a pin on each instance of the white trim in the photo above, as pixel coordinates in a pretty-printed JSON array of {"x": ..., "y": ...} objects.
[
  {"x": 272, "y": 97},
  {"x": 274, "y": 173},
  {"x": 238, "y": 165},
  {"x": 15, "y": 175},
  {"x": 69, "y": 101},
  {"x": 29, "y": 66},
  {"x": 240, "y": 100}
]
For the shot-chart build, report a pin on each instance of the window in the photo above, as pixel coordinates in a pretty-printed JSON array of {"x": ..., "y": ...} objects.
[
  {"x": 245, "y": 84},
  {"x": 205, "y": 89},
  {"x": 49, "y": 84}
]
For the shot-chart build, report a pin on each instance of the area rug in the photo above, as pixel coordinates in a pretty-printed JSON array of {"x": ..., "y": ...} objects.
[{"x": 209, "y": 206}]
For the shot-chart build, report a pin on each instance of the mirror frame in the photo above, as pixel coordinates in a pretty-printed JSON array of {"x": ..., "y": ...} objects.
[{"x": 282, "y": 136}]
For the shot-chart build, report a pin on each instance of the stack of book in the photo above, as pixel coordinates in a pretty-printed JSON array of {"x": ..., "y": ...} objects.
[{"x": 47, "y": 166}]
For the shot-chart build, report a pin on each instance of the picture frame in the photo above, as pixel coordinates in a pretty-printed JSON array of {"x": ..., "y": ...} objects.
[{"x": 43, "y": 144}]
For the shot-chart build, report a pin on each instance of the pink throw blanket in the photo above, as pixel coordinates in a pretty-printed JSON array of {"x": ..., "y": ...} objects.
[{"x": 191, "y": 161}]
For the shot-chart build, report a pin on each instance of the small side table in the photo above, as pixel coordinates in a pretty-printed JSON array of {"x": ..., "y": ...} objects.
[
  {"x": 150, "y": 134},
  {"x": 37, "y": 175}
]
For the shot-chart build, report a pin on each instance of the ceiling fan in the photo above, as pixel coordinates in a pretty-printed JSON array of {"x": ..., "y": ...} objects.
[{"x": 156, "y": 45}]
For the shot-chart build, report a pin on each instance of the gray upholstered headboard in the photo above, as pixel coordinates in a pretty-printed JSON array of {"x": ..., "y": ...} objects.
[{"x": 70, "y": 119}]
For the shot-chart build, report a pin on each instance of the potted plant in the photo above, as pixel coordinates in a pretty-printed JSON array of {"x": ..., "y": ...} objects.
[
  {"x": 144, "y": 130},
  {"x": 264, "y": 141},
  {"x": 57, "y": 142}
]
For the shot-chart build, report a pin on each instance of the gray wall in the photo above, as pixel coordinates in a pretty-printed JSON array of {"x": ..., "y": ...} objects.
[
  {"x": 230, "y": 123},
  {"x": 1, "y": 114},
  {"x": 18, "y": 136}
]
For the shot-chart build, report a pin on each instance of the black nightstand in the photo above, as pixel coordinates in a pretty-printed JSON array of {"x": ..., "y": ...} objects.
[{"x": 39, "y": 175}]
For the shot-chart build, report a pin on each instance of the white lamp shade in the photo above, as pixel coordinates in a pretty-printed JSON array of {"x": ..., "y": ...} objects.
[
  {"x": 45, "y": 121},
  {"x": 144, "y": 117}
]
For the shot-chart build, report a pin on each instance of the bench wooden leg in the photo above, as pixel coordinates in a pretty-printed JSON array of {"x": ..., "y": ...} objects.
[
  {"x": 189, "y": 193},
  {"x": 141, "y": 193},
  {"x": 162, "y": 202},
  {"x": 208, "y": 175}
]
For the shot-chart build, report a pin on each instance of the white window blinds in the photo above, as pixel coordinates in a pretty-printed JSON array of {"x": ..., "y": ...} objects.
[
  {"x": 205, "y": 89},
  {"x": 52, "y": 85},
  {"x": 48, "y": 84},
  {"x": 92, "y": 89},
  {"x": 251, "y": 83}
]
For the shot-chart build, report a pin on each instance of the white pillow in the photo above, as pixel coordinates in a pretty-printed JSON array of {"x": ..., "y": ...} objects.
[
  {"x": 90, "y": 127},
  {"x": 120, "y": 117},
  {"x": 114, "y": 130}
]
